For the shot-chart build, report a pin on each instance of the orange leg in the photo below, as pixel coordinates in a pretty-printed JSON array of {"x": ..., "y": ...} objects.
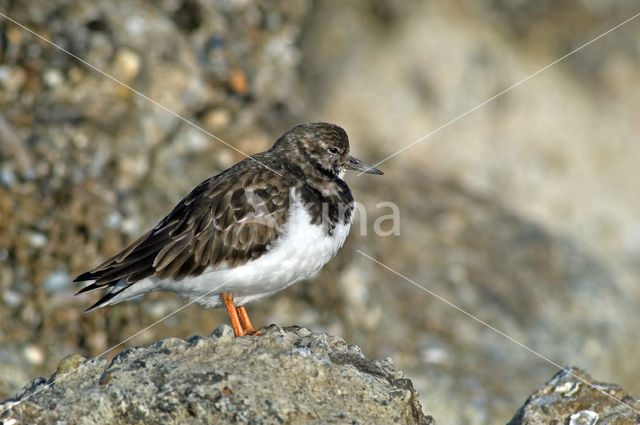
[
  {"x": 244, "y": 318},
  {"x": 233, "y": 314}
]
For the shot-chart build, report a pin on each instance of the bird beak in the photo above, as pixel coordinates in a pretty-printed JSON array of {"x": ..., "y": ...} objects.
[{"x": 357, "y": 165}]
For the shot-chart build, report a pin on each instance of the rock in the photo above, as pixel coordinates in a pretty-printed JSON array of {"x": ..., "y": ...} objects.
[
  {"x": 523, "y": 213},
  {"x": 286, "y": 375},
  {"x": 510, "y": 272},
  {"x": 573, "y": 397},
  {"x": 77, "y": 149}
]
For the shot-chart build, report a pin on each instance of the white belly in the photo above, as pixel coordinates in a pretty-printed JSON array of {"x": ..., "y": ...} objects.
[{"x": 299, "y": 251}]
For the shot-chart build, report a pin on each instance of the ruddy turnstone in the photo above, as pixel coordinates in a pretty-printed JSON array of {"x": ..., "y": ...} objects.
[{"x": 251, "y": 231}]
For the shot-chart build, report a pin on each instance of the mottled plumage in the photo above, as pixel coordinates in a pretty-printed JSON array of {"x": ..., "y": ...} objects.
[{"x": 229, "y": 221}]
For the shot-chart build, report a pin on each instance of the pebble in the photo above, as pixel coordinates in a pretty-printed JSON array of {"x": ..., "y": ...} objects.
[
  {"x": 69, "y": 364},
  {"x": 37, "y": 239},
  {"x": 12, "y": 298},
  {"x": 56, "y": 282},
  {"x": 217, "y": 119},
  {"x": 7, "y": 176},
  {"x": 585, "y": 417},
  {"x": 114, "y": 219},
  {"x": 53, "y": 77},
  {"x": 126, "y": 64},
  {"x": 33, "y": 354}
]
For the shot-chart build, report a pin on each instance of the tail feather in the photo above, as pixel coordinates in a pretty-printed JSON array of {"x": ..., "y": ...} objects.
[
  {"x": 106, "y": 298},
  {"x": 123, "y": 290},
  {"x": 88, "y": 288},
  {"x": 122, "y": 270},
  {"x": 90, "y": 275}
]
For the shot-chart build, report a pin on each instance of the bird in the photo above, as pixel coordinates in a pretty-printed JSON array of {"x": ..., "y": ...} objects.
[{"x": 252, "y": 230}]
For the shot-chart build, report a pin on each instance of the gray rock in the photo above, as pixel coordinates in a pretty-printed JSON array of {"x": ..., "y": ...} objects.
[
  {"x": 573, "y": 397},
  {"x": 70, "y": 136},
  {"x": 523, "y": 213},
  {"x": 530, "y": 227},
  {"x": 286, "y": 375}
]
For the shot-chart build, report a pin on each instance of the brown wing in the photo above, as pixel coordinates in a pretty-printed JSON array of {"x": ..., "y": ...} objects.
[{"x": 231, "y": 218}]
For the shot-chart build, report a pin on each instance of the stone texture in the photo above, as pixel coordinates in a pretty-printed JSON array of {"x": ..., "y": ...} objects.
[
  {"x": 290, "y": 376},
  {"x": 572, "y": 397},
  {"x": 524, "y": 212},
  {"x": 85, "y": 162}
]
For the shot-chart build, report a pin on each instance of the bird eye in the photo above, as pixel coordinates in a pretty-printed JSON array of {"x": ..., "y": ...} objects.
[{"x": 332, "y": 150}]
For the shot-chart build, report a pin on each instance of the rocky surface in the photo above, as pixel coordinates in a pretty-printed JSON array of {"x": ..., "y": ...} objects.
[
  {"x": 572, "y": 397},
  {"x": 86, "y": 163},
  {"x": 290, "y": 376},
  {"x": 523, "y": 213}
]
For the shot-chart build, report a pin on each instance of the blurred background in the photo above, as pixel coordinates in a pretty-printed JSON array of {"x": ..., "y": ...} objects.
[{"x": 523, "y": 213}]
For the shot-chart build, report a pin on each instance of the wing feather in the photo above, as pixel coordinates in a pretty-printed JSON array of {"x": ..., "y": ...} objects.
[{"x": 228, "y": 219}]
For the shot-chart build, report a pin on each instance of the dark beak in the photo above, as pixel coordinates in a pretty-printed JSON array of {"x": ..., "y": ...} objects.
[{"x": 357, "y": 165}]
